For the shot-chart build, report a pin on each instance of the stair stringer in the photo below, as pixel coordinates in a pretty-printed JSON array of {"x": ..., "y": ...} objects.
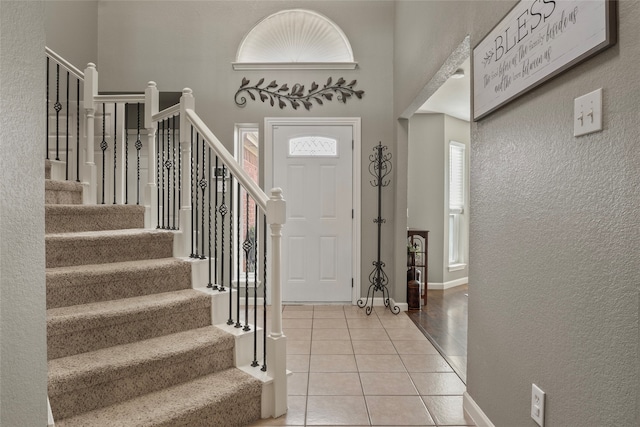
[
  {"x": 58, "y": 170},
  {"x": 243, "y": 348}
]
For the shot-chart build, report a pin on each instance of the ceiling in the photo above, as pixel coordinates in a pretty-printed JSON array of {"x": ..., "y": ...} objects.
[{"x": 453, "y": 97}]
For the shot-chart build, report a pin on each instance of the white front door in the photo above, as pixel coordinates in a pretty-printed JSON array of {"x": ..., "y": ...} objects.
[{"x": 313, "y": 166}]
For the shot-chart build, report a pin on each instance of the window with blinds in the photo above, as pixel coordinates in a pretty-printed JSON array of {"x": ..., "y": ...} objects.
[
  {"x": 456, "y": 176},
  {"x": 456, "y": 200}
]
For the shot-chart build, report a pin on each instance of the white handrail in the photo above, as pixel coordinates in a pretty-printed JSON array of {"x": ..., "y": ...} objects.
[
  {"x": 66, "y": 64},
  {"x": 174, "y": 110},
  {"x": 249, "y": 184},
  {"x": 128, "y": 97}
]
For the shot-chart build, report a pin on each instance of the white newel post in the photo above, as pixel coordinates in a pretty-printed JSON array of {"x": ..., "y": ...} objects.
[
  {"x": 150, "y": 191},
  {"x": 277, "y": 341},
  {"x": 182, "y": 246},
  {"x": 89, "y": 174}
]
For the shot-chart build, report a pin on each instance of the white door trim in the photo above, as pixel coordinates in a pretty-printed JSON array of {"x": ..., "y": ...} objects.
[{"x": 355, "y": 123}]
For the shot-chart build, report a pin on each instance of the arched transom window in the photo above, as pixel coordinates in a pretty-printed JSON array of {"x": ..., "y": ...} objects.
[{"x": 295, "y": 39}]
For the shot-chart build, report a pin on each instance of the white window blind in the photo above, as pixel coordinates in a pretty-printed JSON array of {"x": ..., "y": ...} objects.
[{"x": 456, "y": 176}]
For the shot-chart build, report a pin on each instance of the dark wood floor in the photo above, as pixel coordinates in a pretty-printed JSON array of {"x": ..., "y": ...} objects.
[{"x": 444, "y": 321}]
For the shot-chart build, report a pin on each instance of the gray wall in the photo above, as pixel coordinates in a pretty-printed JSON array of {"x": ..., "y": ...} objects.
[
  {"x": 182, "y": 43},
  {"x": 428, "y": 157},
  {"x": 425, "y": 186},
  {"x": 72, "y": 30},
  {"x": 23, "y": 350},
  {"x": 554, "y": 227}
]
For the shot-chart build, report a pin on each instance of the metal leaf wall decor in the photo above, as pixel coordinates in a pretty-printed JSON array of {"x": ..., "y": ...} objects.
[{"x": 296, "y": 95}]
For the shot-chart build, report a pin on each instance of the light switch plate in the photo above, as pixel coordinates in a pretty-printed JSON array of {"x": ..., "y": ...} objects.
[{"x": 587, "y": 113}]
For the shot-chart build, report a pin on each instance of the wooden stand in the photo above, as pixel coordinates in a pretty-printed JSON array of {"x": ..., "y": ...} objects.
[{"x": 417, "y": 261}]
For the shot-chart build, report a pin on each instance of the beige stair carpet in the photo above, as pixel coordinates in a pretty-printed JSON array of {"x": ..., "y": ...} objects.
[
  {"x": 82, "y": 284},
  {"x": 87, "y": 327},
  {"x": 230, "y": 398},
  {"x": 101, "y": 247},
  {"x": 129, "y": 342},
  {"x": 94, "y": 380},
  {"x": 73, "y": 218},
  {"x": 62, "y": 192}
]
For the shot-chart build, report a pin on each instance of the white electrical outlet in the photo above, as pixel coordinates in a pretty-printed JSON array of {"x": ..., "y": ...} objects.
[
  {"x": 537, "y": 405},
  {"x": 587, "y": 113}
]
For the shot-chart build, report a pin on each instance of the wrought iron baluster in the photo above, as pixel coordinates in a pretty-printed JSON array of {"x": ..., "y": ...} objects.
[
  {"x": 103, "y": 146},
  {"x": 196, "y": 184},
  {"x": 138, "y": 147},
  {"x": 255, "y": 287},
  {"x": 179, "y": 199},
  {"x": 126, "y": 153},
  {"x": 222, "y": 209},
  {"x": 47, "y": 110},
  {"x": 215, "y": 228},
  {"x": 167, "y": 165},
  {"x": 264, "y": 291},
  {"x": 175, "y": 201},
  {"x": 66, "y": 141},
  {"x": 230, "y": 321},
  {"x": 77, "y": 130},
  {"x": 238, "y": 223},
  {"x": 158, "y": 175},
  {"x": 246, "y": 246},
  {"x": 115, "y": 148},
  {"x": 203, "y": 187},
  {"x": 164, "y": 204},
  {"x": 192, "y": 189},
  {"x": 57, "y": 106},
  {"x": 209, "y": 285}
]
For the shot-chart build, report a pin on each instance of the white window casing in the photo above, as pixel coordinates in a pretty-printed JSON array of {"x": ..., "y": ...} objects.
[{"x": 457, "y": 205}]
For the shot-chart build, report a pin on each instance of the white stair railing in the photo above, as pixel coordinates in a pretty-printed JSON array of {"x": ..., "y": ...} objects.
[
  {"x": 190, "y": 175},
  {"x": 63, "y": 100}
]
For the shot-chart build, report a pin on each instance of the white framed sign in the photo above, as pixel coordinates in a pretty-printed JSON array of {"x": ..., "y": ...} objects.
[{"x": 534, "y": 42}]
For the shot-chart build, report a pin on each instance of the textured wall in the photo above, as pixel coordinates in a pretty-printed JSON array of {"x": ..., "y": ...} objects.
[
  {"x": 23, "y": 351},
  {"x": 193, "y": 44},
  {"x": 554, "y": 227}
]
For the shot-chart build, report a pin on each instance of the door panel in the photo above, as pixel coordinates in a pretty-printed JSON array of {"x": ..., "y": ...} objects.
[
  {"x": 313, "y": 166},
  {"x": 328, "y": 258},
  {"x": 296, "y": 265}
]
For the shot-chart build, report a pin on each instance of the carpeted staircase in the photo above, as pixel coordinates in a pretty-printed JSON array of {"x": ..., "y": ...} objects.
[{"x": 130, "y": 343}]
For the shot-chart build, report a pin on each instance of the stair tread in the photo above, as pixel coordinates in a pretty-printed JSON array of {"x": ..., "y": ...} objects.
[
  {"x": 52, "y": 184},
  {"x": 167, "y": 406},
  {"x": 88, "y": 369},
  {"x": 106, "y": 246},
  {"x": 99, "y": 269},
  {"x": 84, "y": 284},
  {"x": 75, "y": 209},
  {"x": 69, "y": 218},
  {"x": 106, "y": 234},
  {"x": 109, "y": 313}
]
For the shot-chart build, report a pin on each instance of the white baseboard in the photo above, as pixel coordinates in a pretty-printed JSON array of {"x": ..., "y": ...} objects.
[
  {"x": 475, "y": 412},
  {"x": 447, "y": 285},
  {"x": 50, "y": 422}
]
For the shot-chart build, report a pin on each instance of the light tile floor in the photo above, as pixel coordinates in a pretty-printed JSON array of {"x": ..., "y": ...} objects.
[{"x": 358, "y": 370}]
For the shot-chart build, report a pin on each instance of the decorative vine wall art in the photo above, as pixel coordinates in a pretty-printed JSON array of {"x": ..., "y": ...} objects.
[{"x": 296, "y": 95}]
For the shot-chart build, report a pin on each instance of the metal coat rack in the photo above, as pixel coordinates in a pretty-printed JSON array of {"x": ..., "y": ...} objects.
[{"x": 380, "y": 167}]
